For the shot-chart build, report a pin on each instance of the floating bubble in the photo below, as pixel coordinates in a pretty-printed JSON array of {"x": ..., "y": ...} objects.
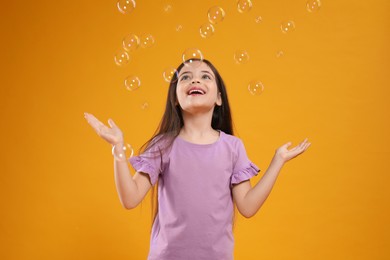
[
  {"x": 147, "y": 41},
  {"x": 167, "y": 8},
  {"x": 279, "y": 54},
  {"x": 244, "y": 6},
  {"x": 241, "y": 56},
  {"x": 216, "y": 14},
  {"x": 125, "y": 6},
  {"x": 258, "y": 19},
  {"x": 130, "y": 42},
  {"x": 121, "y": 152},
  {"x": 132, "y": 83},
  {"x": 168, "y": 74},
  {"x": 206, "y": 30},
  {"x": 255, "y": 87},
  {"x": 144, "y": 106},
  {"x": 287, "y": 26},
  {"x": 179, "y": 28},
  {"x": 313, "y": 5},
  {"x": 190, "y": 55},
  {"x": 121, "y": 58}
]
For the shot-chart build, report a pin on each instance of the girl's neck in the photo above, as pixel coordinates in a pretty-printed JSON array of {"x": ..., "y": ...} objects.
[{"x": 197, "y": 128}]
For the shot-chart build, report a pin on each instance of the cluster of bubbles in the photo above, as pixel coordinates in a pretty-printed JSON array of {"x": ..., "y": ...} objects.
[{"x": 215, "y": 15}]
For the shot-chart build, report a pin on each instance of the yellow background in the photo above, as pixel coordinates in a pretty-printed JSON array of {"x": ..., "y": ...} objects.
[{"x": 58, "y": 196}]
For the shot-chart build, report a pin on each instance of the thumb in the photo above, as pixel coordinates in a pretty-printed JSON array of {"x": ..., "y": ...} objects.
[{"x": 287, "y": 144}]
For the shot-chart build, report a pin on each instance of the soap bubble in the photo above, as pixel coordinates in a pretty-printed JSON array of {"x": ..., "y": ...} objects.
[
  {"x": 144, "y": 106},
  {"x": 179, "y": 27},
  {"x": 313, "y": 5},
  {"x": 167, "y": 8},
  {"x": 244, "y": 6},
  {"x": 287, "y": 26},
  {"x": 241, "y": 56},
  {"x": 130, "y": 42},
  {"x": 125, "y": 6},
  {"x": 206, "y": 30},
  {"x": 216, "y": 14},
  {"x": 132, "y": 83},
  {"x": 121, "y": 58},
  {"x": 258, "y": 19},
  {"x": 121, "y": 152},
  {"x": 168, "y": 74},
  {"x": 255, "y": 87},
  {"x": 190, "y": 55},
  {"x": 147, "y": 41},
  {"x": 279, "y": 54}
]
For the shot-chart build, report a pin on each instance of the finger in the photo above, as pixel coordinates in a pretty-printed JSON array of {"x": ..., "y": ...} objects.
[{"x": 111, "y": 123}]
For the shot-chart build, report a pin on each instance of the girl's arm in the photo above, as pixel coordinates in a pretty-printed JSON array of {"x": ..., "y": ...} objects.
[{"x": 249, "y": 200}]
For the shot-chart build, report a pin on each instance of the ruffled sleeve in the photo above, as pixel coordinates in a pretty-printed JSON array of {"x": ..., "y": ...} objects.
[
  {"x": 243, "y": 168},
  {"x": 143, "y": 165},
  {"x": 244, "y": 174}
]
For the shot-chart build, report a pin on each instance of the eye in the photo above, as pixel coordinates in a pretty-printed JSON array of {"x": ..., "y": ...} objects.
[
  {"x": 184, "y": 77},
  {"x": 206, "y": 76}
]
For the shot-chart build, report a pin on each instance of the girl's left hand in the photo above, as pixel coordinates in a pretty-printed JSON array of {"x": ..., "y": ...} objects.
[{"x": 285, "y": 155}]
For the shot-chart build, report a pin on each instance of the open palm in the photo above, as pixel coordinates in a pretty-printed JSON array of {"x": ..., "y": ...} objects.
[
  {"x": 111, "y": 134},
  {"x": 286, "y": 155}
]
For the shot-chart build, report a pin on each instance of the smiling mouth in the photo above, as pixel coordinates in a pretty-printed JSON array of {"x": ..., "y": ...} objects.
[{"x": 195, "y": 92}]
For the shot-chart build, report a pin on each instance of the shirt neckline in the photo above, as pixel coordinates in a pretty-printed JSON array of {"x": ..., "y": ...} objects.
[{"x": 221, "y": 133}]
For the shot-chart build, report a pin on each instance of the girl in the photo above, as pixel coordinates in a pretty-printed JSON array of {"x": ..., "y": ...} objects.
[{"x": 202, "y": 168}]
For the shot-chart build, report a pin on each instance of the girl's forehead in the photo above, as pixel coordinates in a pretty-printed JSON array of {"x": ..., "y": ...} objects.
[{"x": 195, "y": 67}]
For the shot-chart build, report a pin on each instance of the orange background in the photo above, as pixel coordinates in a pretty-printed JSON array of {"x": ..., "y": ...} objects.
[{"x": 58, "y": 196}]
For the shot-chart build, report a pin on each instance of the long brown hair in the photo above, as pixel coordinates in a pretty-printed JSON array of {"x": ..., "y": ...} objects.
[{"x": 172, "y": 122}]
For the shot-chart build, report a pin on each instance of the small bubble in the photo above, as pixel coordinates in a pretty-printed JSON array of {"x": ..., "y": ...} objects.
[
  {"x": 130, "y": 42},
  {"x": 255, "y": 87},
  {"x": 179, "y": 28},
  {"x": 216, "y": 14},
  {"x": 190, "y": 55},
  {"x": 125, "y": 151},
  {"x": 258, "y": 19},
  {"x": 167, "y": 8},
  {"x": 144, "y": 106},
  {"x": 125, "y": 6},
  {"x": 313, "y": 5},
  {"x": 244, "y": 6},
  {"x": 169, "y": 73},
  {"x": 206, "y": 30},
  {"x": 287, "y": 26},
  {"x": 121, "y": 58},
  {"x": 279, "y": 54},
  {"x": 241, "y": 56},
  {"x": 132, "y": 83},
  {"x": 147, "y": 41}
]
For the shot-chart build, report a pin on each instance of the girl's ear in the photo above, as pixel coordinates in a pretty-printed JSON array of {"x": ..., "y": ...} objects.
[{"x": 219, "y": 99}]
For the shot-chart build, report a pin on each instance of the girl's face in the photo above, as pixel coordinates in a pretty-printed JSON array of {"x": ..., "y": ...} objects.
[{"x": 197, "y": 89}]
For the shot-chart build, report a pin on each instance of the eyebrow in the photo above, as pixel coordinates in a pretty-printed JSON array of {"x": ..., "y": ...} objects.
[{"x": 204, "y": 71}]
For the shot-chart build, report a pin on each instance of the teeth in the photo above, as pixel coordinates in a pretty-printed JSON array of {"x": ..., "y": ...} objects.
[{"x": 196, "y": 91}]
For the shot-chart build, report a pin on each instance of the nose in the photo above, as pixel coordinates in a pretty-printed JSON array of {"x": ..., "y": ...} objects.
[{"x": 195, "y": 80}]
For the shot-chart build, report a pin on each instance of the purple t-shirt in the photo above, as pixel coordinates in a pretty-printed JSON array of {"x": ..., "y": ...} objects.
[{"x": 194, "y": 219}]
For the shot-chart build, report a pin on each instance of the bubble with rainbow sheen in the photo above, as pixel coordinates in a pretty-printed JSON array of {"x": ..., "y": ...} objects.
[
  {"x": 313, "y": 5},
  {"x": 132, "y": 83},
  {"x": 191, "y": 55},
  {"x": 255, "y": 87},
  {"x": 216, "y": 14},
  {"x": 287, "y": 26},
  {"x": 206, "y": 30},
  {"x": 241, "y": 56},
  {"x": 121, "y": 58},
  {"x": 125, "y": 6},
  {"x": 122, "y": 152},
  {"x": 130, "y": 42},
  {"x": 244, "y": 6}
]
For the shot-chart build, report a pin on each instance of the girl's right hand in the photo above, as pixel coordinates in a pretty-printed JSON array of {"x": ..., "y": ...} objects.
[{"x": 112, "y": 135}]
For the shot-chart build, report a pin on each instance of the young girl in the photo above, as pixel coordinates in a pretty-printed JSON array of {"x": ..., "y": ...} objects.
[{"x": 203, "y": 170}]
